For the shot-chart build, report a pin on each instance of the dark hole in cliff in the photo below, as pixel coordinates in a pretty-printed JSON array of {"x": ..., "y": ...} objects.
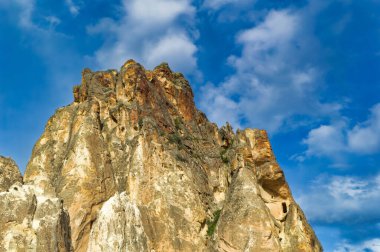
[
  {"x": 113, "y": 118},
  {"x": 203, "y": 223},
  {"x": 284, "y": 207},
  {"x": 15, "y": 188}
]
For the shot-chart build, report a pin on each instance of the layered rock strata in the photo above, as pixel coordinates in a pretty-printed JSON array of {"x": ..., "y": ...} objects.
[{"x": 132, "y": 165}]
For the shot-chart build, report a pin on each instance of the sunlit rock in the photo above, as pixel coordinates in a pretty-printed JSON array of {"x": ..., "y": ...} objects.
[{"x": 132, "y": 165}]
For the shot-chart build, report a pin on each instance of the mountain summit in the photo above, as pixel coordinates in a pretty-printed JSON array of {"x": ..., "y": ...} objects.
[{"x": 133, "y": 165}]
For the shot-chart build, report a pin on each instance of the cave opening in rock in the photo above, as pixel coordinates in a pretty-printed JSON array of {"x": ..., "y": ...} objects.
[{"x": 284, "y": 207}]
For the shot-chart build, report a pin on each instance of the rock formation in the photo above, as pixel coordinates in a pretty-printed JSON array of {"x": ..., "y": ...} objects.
[
  {"x": 132, "y": 165},
  {"x": 9, "y": 173},
  {"x": 30, "y": 220}
]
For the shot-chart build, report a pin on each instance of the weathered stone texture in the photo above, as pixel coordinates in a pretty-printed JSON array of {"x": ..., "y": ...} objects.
[
  {"x": 30, "y": 222},
  {"x": 9, "y": 173},
  {"x": 139, "y": 168}
]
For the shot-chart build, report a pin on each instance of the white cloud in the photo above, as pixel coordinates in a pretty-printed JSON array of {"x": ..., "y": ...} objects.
[
  {"x": 216, "y": 4},
  {"x": 23, "y": 9},
  {"x": 53, "y": 21},
  {"x": 276, "y": 76},
  {"x": 216, "y": 99},
  {"x": 365, "y": 137},
  {"x": 152, "y": 13},
  {"x": 343, "y": 199},
  {"x": 228, "y": 11},
  {"x": 332, "y": 237},
  {"x": 327, "y": 140},
  {"x": 278, "y": 29},
  {"x": 73, "y": 8},
  {"x": 372, "y": 245},
  {"x": 173, "y": 48},
  {"x": 150, "y": 31},
  {"x": 23, "y": 13},
  {"x": 48, "y": 44},
  {"x": 338, "y": 138}
]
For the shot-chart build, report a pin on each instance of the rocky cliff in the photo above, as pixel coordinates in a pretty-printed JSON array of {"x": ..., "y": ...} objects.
[{"x": 132, "y": 165}]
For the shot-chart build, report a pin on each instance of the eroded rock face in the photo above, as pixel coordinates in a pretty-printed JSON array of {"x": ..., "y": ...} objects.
[
  {"x": 9, "y": 173},
  {"x": 139, "y": 168},
  {"x": 30, "y": 221},
  {"x": 118, "y": 227}
]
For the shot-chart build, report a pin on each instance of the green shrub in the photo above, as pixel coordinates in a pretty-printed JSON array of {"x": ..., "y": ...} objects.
[
  {"x": 141, "y": 123},
  {"x": 212, "y": 223},
  {"x": 161, "y": 132},
  {"x": 224, "y": 157},
  {"x": 177, "y": 123},
  {"x": 175, "y": 139}
]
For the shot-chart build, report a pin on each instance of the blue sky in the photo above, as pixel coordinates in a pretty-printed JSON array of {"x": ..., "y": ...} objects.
[{"x": 307, "y": 71}]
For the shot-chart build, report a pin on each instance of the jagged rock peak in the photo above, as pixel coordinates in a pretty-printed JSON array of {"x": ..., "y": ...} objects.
[
  {"x": 130, "y": 71},
  {"x": 159, "y": 89},
  {"x": 132, "y": 165}
]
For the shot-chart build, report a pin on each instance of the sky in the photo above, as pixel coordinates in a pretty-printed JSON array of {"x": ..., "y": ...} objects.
[{"x": 306, "y": 71}]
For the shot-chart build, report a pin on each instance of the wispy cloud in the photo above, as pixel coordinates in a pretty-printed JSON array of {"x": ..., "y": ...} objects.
[
  {"x": 73, "y": 8},
  {"x": 150, "y": 31},
  {"x": 23, "y": 10},
  {"x": 24, "y": 13},
  {"x": 217, "y": 4},
  {"x": 229, "y": 11},
  {"x": 46, "y": 42},
  {"x": 372, "y": 245},
  {"x": 276, "y": 76},
  {"x": 342, "y": 199},
  {"x": 53, "y": 21}
]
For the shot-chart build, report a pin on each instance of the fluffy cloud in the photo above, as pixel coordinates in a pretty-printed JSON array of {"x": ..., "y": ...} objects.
[
  {"x": 365, "y": 137},
  {"x": 338, "y": 138},
  {"x": 327, "y": 140},
  {"x": 276, "y": 76},
  {"x": 153, "y": 13},
  {"x": 150, "y": 31},
  {"x": 169, "y": 47},
  {"x": 342, "y": 199}
]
